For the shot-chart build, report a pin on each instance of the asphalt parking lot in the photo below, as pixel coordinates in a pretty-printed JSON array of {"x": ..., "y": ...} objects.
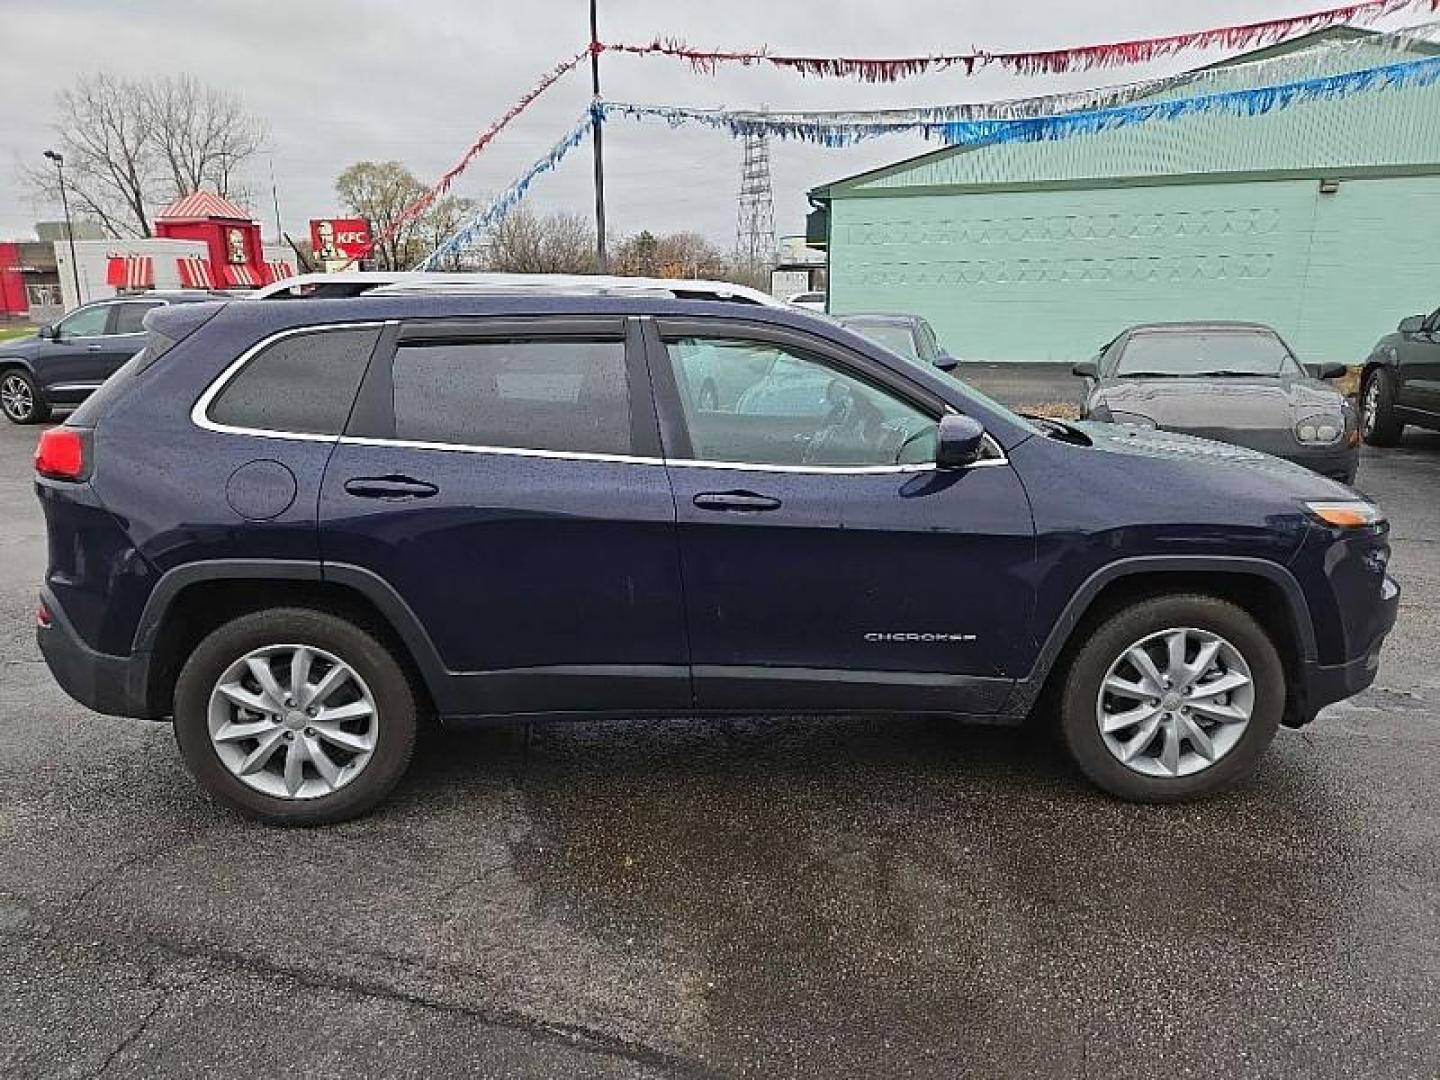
[{"x": 894, "y": 897}]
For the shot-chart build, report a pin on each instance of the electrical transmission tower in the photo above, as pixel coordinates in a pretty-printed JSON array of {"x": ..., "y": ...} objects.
[{"x": 755, "y": 219}]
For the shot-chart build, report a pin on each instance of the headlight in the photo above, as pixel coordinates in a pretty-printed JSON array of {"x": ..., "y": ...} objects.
[
  {"x": 1132, "y": 419},
  {"x": 1321, "y": 429},
  {"x": 1347, "y": 513}
]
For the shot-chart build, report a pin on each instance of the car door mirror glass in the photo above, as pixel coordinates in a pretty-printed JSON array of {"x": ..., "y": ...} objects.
[
  {"x": 946, "y": 362},
  {"x": 48, "y": 332},
  {"x": 958, "y": 442},
  {"x": 1086, "y": 369}
]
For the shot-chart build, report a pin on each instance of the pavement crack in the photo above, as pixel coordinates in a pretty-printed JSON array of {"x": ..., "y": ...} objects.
[{"x": 138, "y": 1030}]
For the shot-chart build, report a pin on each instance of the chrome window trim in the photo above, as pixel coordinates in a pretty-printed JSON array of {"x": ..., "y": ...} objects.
[
  {"x": 200, "y": 412},
  {"x": 199, "y": 416}
]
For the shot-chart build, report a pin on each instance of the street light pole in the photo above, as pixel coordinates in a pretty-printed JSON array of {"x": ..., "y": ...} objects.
[
  {"x": 601, "y": 262},
  {"x": 59, "y": 160}
]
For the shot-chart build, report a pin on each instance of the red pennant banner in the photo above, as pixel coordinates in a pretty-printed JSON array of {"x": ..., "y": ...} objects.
[{"x": 1039, "y": 62}]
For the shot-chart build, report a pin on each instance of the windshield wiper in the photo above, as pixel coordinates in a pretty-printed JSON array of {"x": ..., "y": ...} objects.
[
  {"x": 1149, "y": 375},
  {"x": 1225, "y": 373}
]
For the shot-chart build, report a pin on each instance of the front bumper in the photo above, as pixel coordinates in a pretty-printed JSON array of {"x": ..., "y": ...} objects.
[
  {"x": 1325, "y": 684},
  {"x": 113, "y": 685},
  {"x": 1336, "y": 462}
]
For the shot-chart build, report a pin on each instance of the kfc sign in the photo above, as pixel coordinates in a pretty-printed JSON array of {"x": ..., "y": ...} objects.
[{"x": 339, "y": 239}]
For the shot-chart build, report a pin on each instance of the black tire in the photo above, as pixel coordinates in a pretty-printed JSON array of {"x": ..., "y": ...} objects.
[
  {"x": 1079, "y": 723},
  {"x": 23, "y": 403},
  {"x": 395, "y": 712},
  {"x": 1378, "y": 424}
]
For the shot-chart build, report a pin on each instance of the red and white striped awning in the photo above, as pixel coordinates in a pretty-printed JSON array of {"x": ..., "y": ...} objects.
[
  {"x": 241, "y": 275},
  {"x": 195, "y": 272},
  {"x": 130, "y": 272},
  {"x": 277, "y": 269}
]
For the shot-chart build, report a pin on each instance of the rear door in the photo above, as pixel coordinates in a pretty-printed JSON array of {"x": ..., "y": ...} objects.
[
  {"x": 826, "y": 563},
  {"x": 503, "y": 478}
]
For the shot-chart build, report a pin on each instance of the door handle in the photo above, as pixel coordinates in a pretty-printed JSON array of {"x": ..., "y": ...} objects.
[
  {"x": 735, "y": 500},
  {"x": 390, "y": 487},
  {"x": 93, "y": 348}
]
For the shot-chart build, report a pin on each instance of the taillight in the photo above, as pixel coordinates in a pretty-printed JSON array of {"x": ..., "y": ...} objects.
[{"x": 62, "y": 454}]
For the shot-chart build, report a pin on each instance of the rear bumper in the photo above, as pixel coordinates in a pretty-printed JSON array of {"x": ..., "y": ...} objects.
[
  {"x": 1325, "y": 684},
  {"x": 113, "y": 685}
]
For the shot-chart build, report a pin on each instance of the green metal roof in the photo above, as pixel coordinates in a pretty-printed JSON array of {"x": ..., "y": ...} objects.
[{"x": 1373, "y": 133}]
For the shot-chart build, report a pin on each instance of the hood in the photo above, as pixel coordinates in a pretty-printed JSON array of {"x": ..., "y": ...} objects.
[
  {"x": 1172, "y": 446},
  {"x": 22, "y": 347},
  {"x": 1231, "y": 402}
]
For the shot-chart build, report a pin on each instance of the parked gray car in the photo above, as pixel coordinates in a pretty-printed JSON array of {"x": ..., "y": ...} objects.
[
  {"x": 1229, "y": 381},
  {"x": 908, "y": 336}
]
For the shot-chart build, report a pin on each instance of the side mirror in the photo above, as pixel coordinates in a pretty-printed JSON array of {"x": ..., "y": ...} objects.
[
  {"x": 958, "y": 442},
  {"x": 1412, "y": 324},
  {"x": 946, "y": 362},
  {"x": 48, "y": 332},
  {"x": 1086, "y": 369},
  {"x": 1327, "y": 371}
]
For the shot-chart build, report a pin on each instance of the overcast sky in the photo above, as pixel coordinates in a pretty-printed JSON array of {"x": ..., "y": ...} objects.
[{"x": 339, "y": 81}]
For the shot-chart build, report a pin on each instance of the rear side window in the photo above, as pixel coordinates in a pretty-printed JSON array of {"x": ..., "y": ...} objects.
[
  {"x": 565, "y": 395},
  {"x": 303, "y": 383},
  {"x": 129, "y": 317}
]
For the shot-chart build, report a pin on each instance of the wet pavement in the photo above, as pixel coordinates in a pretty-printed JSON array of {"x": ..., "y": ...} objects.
[{"x": 893, "y": 897}]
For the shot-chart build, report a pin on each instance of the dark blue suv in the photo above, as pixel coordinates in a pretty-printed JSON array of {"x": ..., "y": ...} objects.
[{"x": 301, "y": 528}]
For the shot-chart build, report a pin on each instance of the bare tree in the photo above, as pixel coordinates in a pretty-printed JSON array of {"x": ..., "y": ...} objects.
[
  {"x": 381, "y": 192},
  {"x": 130, "y": 146},
  {"x": 526, "y": 243}
]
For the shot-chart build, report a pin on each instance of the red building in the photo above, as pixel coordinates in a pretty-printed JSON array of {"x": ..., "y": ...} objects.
[{"x": 237, "y": 258}]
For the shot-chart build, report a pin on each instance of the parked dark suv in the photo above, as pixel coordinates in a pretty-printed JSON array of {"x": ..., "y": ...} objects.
[
  {"x": 1401, "y": 381},
  {"x": 62, "y": 364},
  {"x": 299, "y": 528}
]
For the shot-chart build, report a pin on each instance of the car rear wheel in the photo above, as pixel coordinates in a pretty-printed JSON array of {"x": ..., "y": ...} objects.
[
  {"x": 295, "y": 717},
  {"x": 1172, "y": 698},
  {"x": 20, "y": 399},
  {"x": 1378, "y": 424}
]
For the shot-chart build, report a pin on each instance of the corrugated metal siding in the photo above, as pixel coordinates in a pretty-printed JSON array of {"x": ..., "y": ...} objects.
[{"x": 1053, "y": 274}]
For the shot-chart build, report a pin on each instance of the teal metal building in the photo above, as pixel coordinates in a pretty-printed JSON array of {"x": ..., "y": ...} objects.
[{"x": 1322, "y": 219}]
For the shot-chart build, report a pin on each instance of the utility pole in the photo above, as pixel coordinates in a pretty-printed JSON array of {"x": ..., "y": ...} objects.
[
  {"x": 59, "y": 160},
  {"x": 275, "y": 196},
  {"x": 601, "y": 262}
]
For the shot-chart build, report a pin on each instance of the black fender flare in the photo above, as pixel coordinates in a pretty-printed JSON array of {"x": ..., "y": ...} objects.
[
  {"x": 1028, "y": 689},
  {"x": 391, "y": 606}
]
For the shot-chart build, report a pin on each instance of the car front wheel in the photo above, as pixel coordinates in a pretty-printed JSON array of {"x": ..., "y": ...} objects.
[
  {"x": 20, "y": 398},
  {"x": 1378, "y": 424},
  {"x": 295, "y": 717},
  {"x": 1172, "y": 698}
]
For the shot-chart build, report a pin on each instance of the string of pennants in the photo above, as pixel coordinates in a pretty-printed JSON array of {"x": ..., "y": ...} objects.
[
  {"x": 1039, "y": 117},
  {"x": 1017, "y": 120}
]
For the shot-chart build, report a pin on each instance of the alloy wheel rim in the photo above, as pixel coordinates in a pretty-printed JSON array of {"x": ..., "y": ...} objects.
[
  {"x": 16, "y": 399},
  {"x": 293, "y": 721},
  {"x": 1175, "y": 702},
  {"x": 1372, "y": 404}
]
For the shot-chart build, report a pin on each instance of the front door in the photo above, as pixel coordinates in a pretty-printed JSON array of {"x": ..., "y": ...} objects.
[
  {"x": 1419, "y": 356},
  {"x": 503, "y": 478},
  {"x": 71, "y": 363},
  {"x": 826, "y": 563}
]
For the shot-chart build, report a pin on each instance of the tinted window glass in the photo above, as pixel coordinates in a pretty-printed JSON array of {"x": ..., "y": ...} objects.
[
  {"x": 1209, "y": 352},
  {"x": 536, "y": 395},
  {"x": 759, "y": 403},
  {"x": 86, "y": 322},
  {"x": 893, "y": 336},
  {"x": 301, "y": 383},
  {"x": 128, "y": 317}
]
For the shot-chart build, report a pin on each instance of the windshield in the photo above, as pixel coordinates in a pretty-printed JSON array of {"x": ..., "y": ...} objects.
[
  {"x": 893, "y": 336},
  {"x": 1205, "y": 352}
]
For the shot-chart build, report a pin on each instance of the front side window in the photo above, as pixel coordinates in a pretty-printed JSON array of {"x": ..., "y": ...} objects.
[
  {"x": 757, "y": 403},
  {"x": 563, "y": 395},
  {"x": 302, "y": 383},
  {"x": 86, "y": 322},
  {"x": 129, "y": 318},
  {"x": 1161, "y": 353}
]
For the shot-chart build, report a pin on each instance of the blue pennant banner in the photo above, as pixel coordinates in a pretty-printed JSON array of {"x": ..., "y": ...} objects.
[
  {"x": 939, "y": 122},
  {"x": 472, "y": 231}
]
